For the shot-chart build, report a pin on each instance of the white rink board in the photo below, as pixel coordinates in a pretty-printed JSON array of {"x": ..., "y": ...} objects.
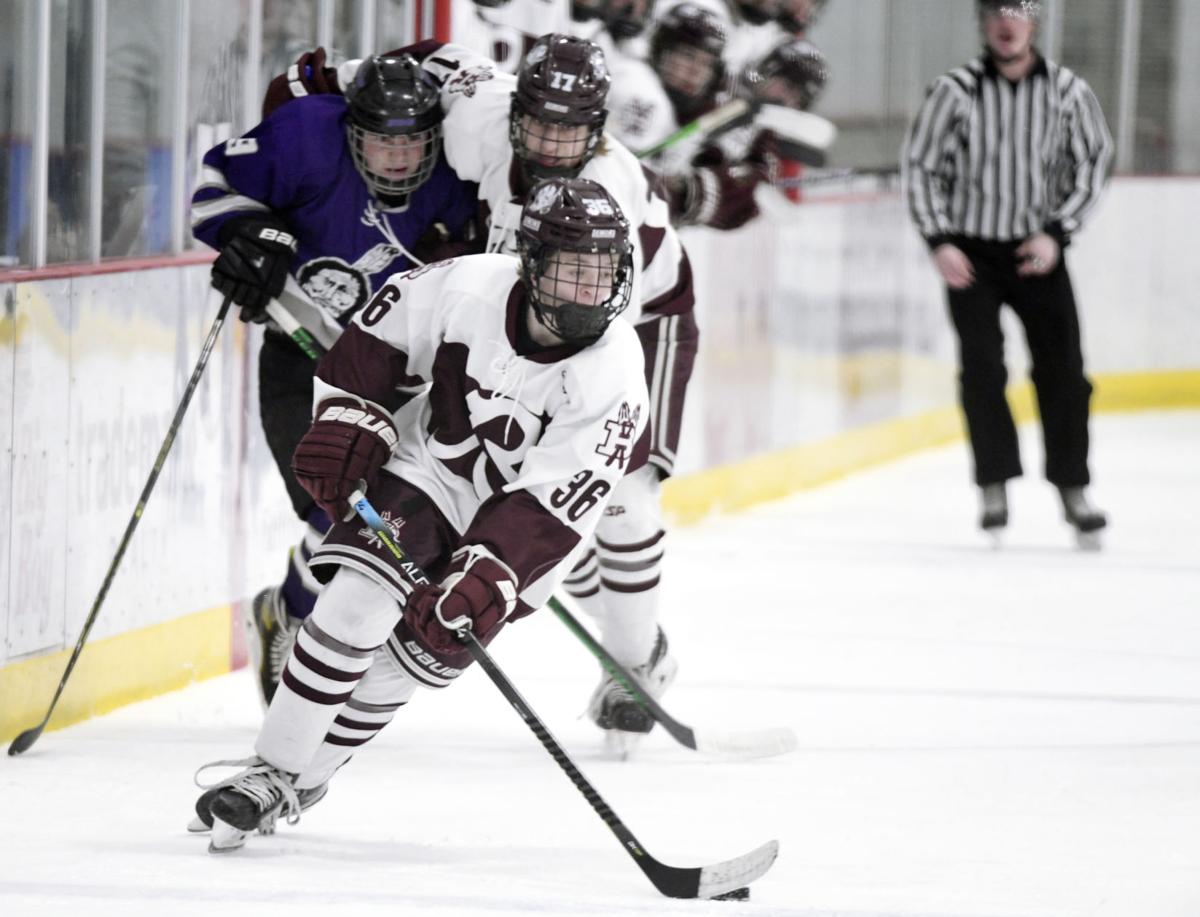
[{"x": 101, "y": 364}]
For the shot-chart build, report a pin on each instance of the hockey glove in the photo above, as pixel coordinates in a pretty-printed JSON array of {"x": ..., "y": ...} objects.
[
  {"x": 309, "y": 76},
  {"x": 252, "y": 268},
  {"x": 349, "y": 441},
  {"x": 721, "y": 197},
  {"x": 480, "y": 591}
]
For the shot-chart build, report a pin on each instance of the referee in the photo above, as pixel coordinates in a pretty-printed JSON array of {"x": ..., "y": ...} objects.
[{"x": 1005, "y": 158}]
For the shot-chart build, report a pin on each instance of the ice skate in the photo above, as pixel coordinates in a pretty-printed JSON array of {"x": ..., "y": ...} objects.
[
  {"x": 202, "y": 821},
  {"x": 1083, "y": 517},
  {"x": 270, "y": 633},
  {"x": 993, "y": 515},
  {"x": 613, "y": 708},
  {"x": 251, "y": 800}
]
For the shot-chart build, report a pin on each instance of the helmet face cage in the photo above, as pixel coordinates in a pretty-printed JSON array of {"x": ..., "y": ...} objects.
[
  {"x": 394, "y": 165},
  {"x": 695, "y": 33},
  {"x": 576, "y": 258},
  {"x": 577, "y": 294},
  {"x": 552, "y": 149},
  {"x": 794, "y": 74},
  {"x": 558, "y": 110}
]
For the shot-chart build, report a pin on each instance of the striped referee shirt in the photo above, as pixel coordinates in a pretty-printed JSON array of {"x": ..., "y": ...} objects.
[{"x": 990, "y": 159}]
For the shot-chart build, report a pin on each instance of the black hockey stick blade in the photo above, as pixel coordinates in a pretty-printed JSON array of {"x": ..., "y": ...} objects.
[
  {"x": 672, "y": 881},
  {"x": 23, "y": 741},
  {"x": 746, "y": 743}
]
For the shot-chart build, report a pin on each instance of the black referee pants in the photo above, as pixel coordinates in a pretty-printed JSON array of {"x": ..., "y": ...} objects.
[{"x": 1046, "y": 307}]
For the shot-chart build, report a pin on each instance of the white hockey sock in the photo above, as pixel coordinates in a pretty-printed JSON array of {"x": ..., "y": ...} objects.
[
  {"x": 583, "y": 585},
  {"x": 383, "y": 690},
  {"x": 334, "y": 648},
  {"x": 629, "y": 584}
]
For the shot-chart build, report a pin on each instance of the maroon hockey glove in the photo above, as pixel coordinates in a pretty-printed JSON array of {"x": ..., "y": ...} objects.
[
  {"x": 307, "y": 77},
  {"x": 479, "y": 590},
  {"x": 252, "y": 268},
  {"x": 720, "y": 196},
  {"x": 349, "y": 441}
]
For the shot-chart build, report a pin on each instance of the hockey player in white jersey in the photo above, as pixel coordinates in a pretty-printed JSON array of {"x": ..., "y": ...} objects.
[
  {"x": 492, "y": 405},
  {"x": 505, "y": 30},
  {"x": 507, "y": 133}
]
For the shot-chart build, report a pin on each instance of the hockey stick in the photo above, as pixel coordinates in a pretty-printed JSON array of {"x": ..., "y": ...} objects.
[
  {"x": 835, "y": 175},
  {"x": 724, "y": 117},
  {"x": 802, "y": 134},
  {"x": 760, "y": 743},
  {"x": 719, "y": 879},
  {"x": 22, "y": 742}
]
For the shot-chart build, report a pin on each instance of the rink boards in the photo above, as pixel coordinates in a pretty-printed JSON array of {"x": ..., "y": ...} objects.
[{"x": 825, "y": 349}]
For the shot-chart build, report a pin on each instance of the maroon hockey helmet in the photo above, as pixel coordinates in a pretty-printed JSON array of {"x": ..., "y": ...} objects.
[
  {"x": 393, "y": 126},
  {"x": 558, "y": 110},
  {"x": 793, "y": 74},
  {"x": 690, "y": 28},
  {"x": 576, "y": 257}
]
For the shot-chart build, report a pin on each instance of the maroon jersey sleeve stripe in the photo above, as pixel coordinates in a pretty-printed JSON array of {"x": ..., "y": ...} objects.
[
  {"x": 543, "y": 541},
  {"x": 363, "y": 364}
]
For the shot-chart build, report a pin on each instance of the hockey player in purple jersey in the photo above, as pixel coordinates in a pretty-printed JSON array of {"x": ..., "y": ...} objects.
[
  {"x": 493, "y": 478},
  {"x": 327, "y": 196}
]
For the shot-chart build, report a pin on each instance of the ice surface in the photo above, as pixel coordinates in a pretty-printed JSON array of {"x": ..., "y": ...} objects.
[{"x": 982, "y": 733}]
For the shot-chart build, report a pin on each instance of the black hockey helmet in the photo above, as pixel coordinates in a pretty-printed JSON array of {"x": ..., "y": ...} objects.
[
  {"x": 799, "y": 65},
  {"x": 797, "y": 16},
  {"x": 623, "y": 18},
  {"x": 576, "y": 257},
  {"x": 757, "y": 12},
  {"x": 393, "y": 106},
  {"x": 562, "y": 82},
  {"x": 688, "y": 25},
  {"x": 1025, "y": 9}
]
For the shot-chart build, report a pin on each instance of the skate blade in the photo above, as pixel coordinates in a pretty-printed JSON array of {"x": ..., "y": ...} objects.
[
  {"x": 621, "y": 744},
  {"x": 995, "y": 537},
  {"x": 1088, "y": 541},
  {"x": 226, "y": 838},
  {"x": 197, "y": 826}
]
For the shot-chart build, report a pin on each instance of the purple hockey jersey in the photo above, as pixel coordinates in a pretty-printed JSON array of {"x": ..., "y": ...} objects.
[{"x": 296, "y": 163}]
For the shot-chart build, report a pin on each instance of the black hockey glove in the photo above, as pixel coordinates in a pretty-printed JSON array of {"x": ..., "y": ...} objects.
[{"x": 252, "y": 268}]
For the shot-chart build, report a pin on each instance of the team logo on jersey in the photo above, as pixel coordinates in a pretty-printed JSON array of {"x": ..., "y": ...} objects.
[
  {"x": 545, "y": 198},
  {"x": 466, "y": 81},
  {"x": 634, "y": 116},
  {"x": 618, "y": 436},
  {"x": 394, "y": 525},
  {"x": 337, "y": 287}
]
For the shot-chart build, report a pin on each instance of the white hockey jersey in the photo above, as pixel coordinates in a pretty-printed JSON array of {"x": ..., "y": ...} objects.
[
  {"x": 518, "y": 447},
  {"x": 505, "y": 33},
  {"x": 477, "y": 98}
]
